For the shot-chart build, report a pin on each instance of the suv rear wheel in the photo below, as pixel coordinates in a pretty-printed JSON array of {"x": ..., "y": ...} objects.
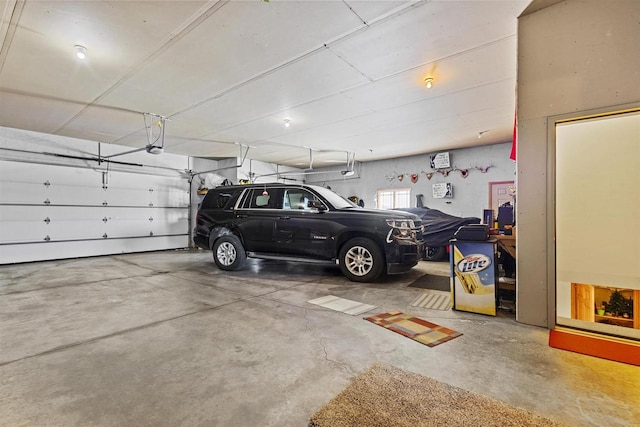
[
  {"x": 228, "y": 253},
  {"x": 361, "y": 260},
  {"x": 435, "y": 253}
]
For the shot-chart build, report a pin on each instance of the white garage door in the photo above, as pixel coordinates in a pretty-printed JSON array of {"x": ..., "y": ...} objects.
[{"x": 55, "y": 212}]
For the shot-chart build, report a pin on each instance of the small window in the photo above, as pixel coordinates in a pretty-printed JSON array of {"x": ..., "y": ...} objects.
[
  {"x": 393, "y": 199},
  {"x": 217, "y": 199},
  {"x": 258, "y": 199}
]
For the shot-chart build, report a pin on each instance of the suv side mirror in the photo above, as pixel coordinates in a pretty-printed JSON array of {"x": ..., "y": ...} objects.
[{"x": 316, "y": 204}]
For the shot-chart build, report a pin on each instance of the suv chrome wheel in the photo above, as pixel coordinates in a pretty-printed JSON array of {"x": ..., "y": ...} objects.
[
  {"x": 361, "y": 260},
  {"x": 228, "y": 252},
  {"x": 358, "y": 260}
]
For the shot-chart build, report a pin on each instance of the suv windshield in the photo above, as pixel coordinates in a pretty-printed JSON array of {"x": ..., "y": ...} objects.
[{"x": 335, "y": 199}]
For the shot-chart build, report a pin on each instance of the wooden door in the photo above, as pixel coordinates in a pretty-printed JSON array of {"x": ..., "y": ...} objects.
[{"x": 582, "y": 302}]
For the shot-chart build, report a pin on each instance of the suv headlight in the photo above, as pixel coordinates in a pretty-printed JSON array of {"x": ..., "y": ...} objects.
[{"x": 400, "y": 228}]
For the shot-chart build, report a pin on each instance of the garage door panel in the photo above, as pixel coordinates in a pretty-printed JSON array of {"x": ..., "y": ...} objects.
[
  {"x": 24, "y": 223},
  {"x": 27, "y": 183},
  {"x": 42, "y": 223},
  {"x": 51, "y": 204},
  {"x": 10, "y": 254}
]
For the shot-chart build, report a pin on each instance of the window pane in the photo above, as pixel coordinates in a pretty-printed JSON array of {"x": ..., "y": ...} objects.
[
  {"x": 391, "y": 199},
  {"x": 402, "y": 199},
  {"x": 385, "y": 200}
]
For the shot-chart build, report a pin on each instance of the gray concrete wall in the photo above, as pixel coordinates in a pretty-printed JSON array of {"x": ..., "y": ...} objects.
[
  {"x": 573, "y": 57},
  {"x": 470, "y": 195}
]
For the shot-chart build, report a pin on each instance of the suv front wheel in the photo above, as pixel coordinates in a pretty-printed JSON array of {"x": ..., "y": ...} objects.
[
  {"x": 361, "y": 260},
  {"x": 228, "y": 253}
]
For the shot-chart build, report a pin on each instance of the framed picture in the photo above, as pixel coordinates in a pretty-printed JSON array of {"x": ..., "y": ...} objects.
[
  {"x": 439, "y": 161},
  {"x": 442, "y": 190}
]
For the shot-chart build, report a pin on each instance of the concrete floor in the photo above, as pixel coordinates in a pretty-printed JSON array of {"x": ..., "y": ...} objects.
[{"x": 167, "y": 339}]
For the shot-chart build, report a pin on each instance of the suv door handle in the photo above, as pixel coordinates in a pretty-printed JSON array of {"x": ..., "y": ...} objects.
[
  {"x": 242, "y": 215},
  {"x": 284, "y": 217}
]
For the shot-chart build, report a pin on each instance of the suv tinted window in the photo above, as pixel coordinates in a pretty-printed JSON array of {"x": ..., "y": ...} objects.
[
  {"x": 256, "y": 199},
  {"x": 297, "y": 198},
  {"x": 219, "y": 199}
]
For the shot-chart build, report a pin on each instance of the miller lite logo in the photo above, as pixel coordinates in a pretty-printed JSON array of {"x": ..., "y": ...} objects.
[{"x": 473, "y": 263}]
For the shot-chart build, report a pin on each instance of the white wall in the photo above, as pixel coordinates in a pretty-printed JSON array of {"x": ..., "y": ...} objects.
[
  {"x": 573, "y": 57},
  {"x": 470, "y": 195},
  {"x": 261, "y": 172}
]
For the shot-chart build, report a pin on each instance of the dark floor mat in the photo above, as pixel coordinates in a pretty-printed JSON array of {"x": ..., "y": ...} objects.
[{"x": 429, "y": 281}]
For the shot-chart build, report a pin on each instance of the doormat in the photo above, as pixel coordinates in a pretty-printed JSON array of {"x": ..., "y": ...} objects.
[
  {"x": 417, "y": 329},
  {"x": 437, "y": 300},
  {"x": 429, "y": 281},
  {"x": 388, "y": 396},
  {"x": 342, "y": 305}
]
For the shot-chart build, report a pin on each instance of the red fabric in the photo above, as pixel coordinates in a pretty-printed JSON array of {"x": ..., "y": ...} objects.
[{"x": 512, "y": 156}]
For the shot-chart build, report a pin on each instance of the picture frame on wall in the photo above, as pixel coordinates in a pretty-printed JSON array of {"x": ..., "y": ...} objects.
[
  {"x": 440, "y": 160},
  {"x": 443, "y": 190}
]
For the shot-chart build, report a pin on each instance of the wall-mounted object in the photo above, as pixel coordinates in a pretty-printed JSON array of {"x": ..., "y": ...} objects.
[
  {"x": 440, "y": 160},
  {"x": 442, "y": 190},
  {"x": 463, "y": 172},
  {"x": 484, "y": 169},
  {"x": 445, "y": 172}
]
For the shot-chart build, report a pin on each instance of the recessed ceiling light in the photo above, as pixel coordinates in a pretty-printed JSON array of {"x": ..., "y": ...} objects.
[
  {"x": 287, "y": 123},
  {"x": 81, "y": 51}
]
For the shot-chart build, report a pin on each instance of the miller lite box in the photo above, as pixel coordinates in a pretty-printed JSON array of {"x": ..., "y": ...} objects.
[
  {"x": 473, "y": 232},
  {"x": 473, "y": 277}
]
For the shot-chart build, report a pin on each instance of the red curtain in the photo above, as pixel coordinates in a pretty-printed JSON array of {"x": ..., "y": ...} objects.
[{"x": 512, "y": 156}]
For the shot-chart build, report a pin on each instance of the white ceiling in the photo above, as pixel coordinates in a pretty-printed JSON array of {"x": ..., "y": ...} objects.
[{"x": 348, "y": 74}]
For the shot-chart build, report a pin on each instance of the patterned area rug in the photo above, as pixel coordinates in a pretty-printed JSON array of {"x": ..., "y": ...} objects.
[
  {"x": 438, "y": 300},
  {"x": 417, "y": 329},
  {"x": 385, "y": 396},
  {"x": 342, "y": 305}
]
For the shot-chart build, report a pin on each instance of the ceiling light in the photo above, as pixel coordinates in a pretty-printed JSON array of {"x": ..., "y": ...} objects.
[
  {"x": 480, "y": 133},
  {"x": 81, "y": 51},
  {"x": 287, "y": 123},
  {"x": 428, "y": 82}
]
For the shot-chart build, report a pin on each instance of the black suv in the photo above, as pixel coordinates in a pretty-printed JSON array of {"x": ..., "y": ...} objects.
[{"x": 306, "y": 223}]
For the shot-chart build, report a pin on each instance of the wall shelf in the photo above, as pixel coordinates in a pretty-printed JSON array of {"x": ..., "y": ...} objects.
[{"x": 585, "y": 299}]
